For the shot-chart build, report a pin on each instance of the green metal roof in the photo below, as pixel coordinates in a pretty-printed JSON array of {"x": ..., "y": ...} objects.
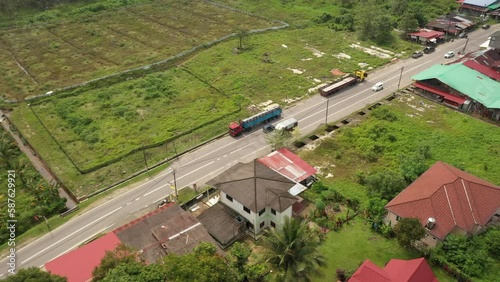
[
  {"x": 494, "y": 6},
  {"x": 466, "y": 80}
]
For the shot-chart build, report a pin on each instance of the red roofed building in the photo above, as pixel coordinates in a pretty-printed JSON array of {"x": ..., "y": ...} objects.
[
  {"x": 290, "y": 165},
  {"x": 78, "y": 264},
  {"x": 415, "y": 270},
  {"x": 425, "y": 35},
  {"x": 447, "y": 200}
]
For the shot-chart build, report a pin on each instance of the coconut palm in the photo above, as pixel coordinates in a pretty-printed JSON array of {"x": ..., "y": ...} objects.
[
  {"x": 8, "y": 150},
  {"x": 293, "y": 251}
]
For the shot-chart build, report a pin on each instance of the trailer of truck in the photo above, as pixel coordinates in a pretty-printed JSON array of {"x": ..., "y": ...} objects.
[
  {"x": 272, "y": 112},
  {"x": 348, "y": 80}
]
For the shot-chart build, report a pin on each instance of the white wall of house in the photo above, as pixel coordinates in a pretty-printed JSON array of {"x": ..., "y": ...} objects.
[{"x": 260, "y": 222}]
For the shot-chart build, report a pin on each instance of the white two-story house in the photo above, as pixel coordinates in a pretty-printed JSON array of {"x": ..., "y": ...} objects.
[{"x": 257, "y": 193}]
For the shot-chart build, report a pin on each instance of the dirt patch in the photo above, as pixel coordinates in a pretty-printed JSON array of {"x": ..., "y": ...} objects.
[
  {"x": 337, "y": 72},
  {"x": 371, "y": 51},
  {"x": 315, "y": 52}
]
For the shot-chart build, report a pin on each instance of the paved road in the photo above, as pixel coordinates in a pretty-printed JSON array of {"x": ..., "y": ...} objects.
[{"x": 210, "y": 160}]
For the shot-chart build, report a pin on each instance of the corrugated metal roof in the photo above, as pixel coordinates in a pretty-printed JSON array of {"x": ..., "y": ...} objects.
[
  {"x": 481, "y": 3},
  {"x": 288, "y": 164},
  {"x": 467, "y": 81}
]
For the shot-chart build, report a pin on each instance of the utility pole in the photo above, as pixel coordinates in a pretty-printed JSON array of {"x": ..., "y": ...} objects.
[
  {"x": 400, "y": 75},
  {"x": 326, "y": 116},
  {"x": 144, "y": 154},
  {"x": 463, "y": 51},
  {"x": 175, "y": 187}
]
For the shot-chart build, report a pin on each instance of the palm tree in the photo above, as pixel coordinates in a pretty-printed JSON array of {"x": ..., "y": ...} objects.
[
  {"x": 293, "y": 251},
  {"x": 8, "y": 150}
]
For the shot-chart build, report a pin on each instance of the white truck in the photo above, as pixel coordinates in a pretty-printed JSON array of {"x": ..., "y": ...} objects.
[{"x": 287, "y": 124}]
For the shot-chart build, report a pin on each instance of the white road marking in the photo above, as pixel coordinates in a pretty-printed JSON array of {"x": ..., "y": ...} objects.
[{"x": 71, "y": 234}]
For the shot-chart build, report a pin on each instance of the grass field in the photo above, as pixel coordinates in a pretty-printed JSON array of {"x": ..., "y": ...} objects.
[
  {"x": 377, "y": 144},
  {"x": 106, "y": 123},
  {"x": 58, "y": 54},
  {"x": 356, "y": 242}
]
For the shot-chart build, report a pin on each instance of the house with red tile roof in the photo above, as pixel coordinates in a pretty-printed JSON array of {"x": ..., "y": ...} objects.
[
  {"x": 415, "y": 270},
  {"x": 447, "y": 200}
]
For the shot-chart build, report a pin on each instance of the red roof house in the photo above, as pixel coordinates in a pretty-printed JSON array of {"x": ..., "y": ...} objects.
[
  {"x": 447, "y": 200},
  {"x": 78, "y": 264},
  {"x": 415, "y": 270},
  {"x": 288, "y": 164}
]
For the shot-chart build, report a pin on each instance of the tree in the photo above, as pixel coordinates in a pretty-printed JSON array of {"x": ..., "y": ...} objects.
[
  {"x": 133, "y": 271},
  {"x": 278, "y": 139},
  {"x": 408, "y": 22},
  {"x": 492, "y": 238},
  {"x": 120, "y": 255},
  {"x": 376, "y": 209},
  {"x": 408, "y": 231},
  {"x": 293, "y": 251},
  {"x": 386, "y": 184},
  {"x": 8, "y": 150},
  {"x": 203, "y": 265},
  {"x": 241, "y": 34},
  {"x": 412, "y": 167},
  {"x": 372, "y": 22},
  {"x": 34, "y": 274}
]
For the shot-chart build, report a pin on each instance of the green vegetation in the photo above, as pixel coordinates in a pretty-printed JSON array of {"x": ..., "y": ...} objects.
[
  {"x": 27, "y": 197},
  {"x": 34, "y": 274},
  {"x": 408, "y": 231},
  {"x": 293, "y": 251},
  {"x": 85, "y": 42},
  {"x": 477, "y": 256},
  {"x": 348, "y": 248}
]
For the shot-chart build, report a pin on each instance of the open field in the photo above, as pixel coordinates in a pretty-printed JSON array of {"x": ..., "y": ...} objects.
[
  {"x": 59, "y": 54},
  {"x": 286, "y": 63},
  {"x": 107, "y": 123},
  {"x": 376, "y": 144}
]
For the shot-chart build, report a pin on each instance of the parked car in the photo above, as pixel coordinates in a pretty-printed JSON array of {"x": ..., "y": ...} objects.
[
  {"x": 462, "y": 35},
  {"x": 287, "y": 124},
  {"x": 268, "y": 128},
  {"x": 417, "y": 54},
  {"x": 486, "y": 26},
  {"x": 429, "y": 49},
  {"x": 378, "y": 86},
  {"x": 449, "y": 54}
]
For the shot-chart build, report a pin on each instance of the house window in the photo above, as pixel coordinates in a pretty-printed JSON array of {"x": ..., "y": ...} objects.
[
  {"x": 398, "y": 217},
  {"x": 273, "y": 211},
  {"x": 262, "y": 211},
  {"x": 262, "y": 224},
  {"x": 229, "y": 198},
  {"x": 273, "y": 224},
  {"x": 246, "y": 209},
  {"x": 249, "y": 225}
]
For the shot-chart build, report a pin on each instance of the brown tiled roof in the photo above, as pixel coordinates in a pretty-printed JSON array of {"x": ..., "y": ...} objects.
[
  {"x": 168, "y": 229},
  {"x": 452, "y": 197},
  {"x": 256, "y": 186}
]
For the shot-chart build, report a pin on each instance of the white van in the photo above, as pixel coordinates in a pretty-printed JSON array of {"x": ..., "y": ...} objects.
[
  {"x": 287, "y": 124},
  {"x": 378, "y": 86}
]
